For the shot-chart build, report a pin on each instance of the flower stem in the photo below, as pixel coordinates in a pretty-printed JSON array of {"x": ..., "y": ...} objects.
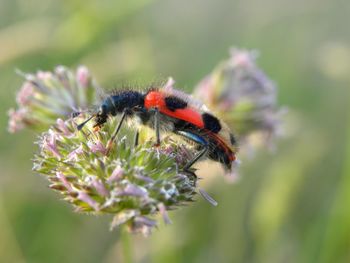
[{"x": 126, "y": 244}]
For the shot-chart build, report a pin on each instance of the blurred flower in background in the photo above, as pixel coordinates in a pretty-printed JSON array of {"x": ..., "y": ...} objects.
[
  {"x": 46, "y": 96},
  {"x": 241, "y": 93}
]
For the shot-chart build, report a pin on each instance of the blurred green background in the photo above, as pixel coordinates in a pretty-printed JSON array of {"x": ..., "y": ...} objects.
[{"x": 290, "y": 206}]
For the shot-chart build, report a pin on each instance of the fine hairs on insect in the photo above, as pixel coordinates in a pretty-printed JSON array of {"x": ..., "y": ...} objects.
[{"x": 165, "y": 109}]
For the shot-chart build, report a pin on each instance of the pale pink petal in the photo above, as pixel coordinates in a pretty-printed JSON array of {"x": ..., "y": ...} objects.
[
  {"x": 83, "y": 196},
  {"x": 164, "y": 213},
  {"x": 24, "y": 95},
  {"x": 50, "y": 145},
  {"x": 99, "y": 186},
  {"x": 63, "y": 127},
  {"x": 74, "y": 155},
  {"x": 83, "y": 76},
  {"x": 97, "y": 147},
  {"x": 64, "y": 181},
  {"x": 116, "y": 175}
]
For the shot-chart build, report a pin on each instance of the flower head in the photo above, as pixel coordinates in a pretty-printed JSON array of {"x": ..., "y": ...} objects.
[
  {"x": 46, "y": 96},
  {"x": 133, "y": 184},
  {"x": 240, "y": 92}
]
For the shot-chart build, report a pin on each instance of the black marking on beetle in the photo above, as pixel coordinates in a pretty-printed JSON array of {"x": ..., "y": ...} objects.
[
  {"x": 173, "y": 103},
  {"x": 211, "y": 123},
  {"x": 124, "y": 100},
  {"x": 232, "y": 139},
  {"x": 143, "y": 114},
  {"x": 184, "y": 126},
  {"x": 218, "y": 153}
]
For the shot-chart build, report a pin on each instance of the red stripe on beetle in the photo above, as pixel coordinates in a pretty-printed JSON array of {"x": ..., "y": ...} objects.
[
  {"x": 228, "y": 151},
  {"x": 155, "y": 99}
]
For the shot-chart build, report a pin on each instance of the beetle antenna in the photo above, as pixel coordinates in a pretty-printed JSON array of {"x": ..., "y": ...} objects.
[
  {"x": 75, "y": 114},
  {"x": 81, "y": 125}
]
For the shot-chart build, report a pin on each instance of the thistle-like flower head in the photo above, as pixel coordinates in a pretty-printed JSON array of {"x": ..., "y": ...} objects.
[
  {"x": 46, "y": 96},
  {"x": 240, "y": 92},
  {"x": 131, "y": 183}
]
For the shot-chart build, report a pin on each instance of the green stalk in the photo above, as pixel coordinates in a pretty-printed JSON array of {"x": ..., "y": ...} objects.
[
  {"x": 126, "y": 243},
  {"x": 336, "y": 241}
]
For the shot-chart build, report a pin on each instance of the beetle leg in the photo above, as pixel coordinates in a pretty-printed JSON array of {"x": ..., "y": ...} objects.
[
  {"x": 196, "y": 158},
  {"x": 111, "y": 140},
  {"x": 156, "y": 126},
  {"x": 136, "y": 139}
]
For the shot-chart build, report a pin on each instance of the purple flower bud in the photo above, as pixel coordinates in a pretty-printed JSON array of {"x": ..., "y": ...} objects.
[
  {"x": 44, "y": 75},
  {"x": 242, "y": 58},
  {"x": 25, "y": 94},
  {"x": 142, "y": 220},
  {"x": 83, "y": 76},
  {"x": 64, "y": 181},
  {"x": 116, "y": 175},
  {"x": 49, "y": 144},
  {"x": 164, "y": 213},
  {"x": 74, "y": 155},
  {"x": 132, "y": 190},
  {"x": 144, "y": 178},
  {"x": 61, "y": 124},
  {"x": 99, "y": 186},
  {"x": 97, "y": 147},
  {"x": 16, "y": 120},
  {"x": 83, "y": 196},
  {"x": 169, "y": 85}
]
